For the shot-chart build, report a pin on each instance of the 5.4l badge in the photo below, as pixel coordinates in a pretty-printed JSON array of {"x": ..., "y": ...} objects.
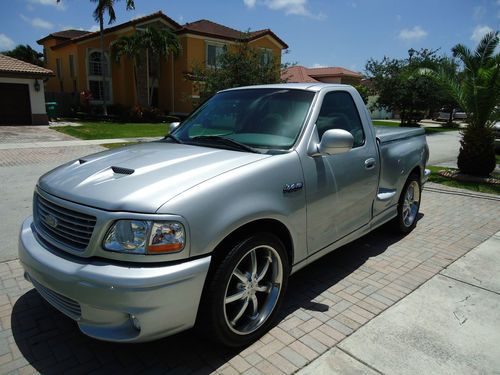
[{"x": 290, "y": 188}]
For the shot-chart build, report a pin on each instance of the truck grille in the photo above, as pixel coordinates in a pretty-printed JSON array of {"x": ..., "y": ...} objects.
[
  {"x": 66, "y": 305},
  {"x": 59, "y": 225}
]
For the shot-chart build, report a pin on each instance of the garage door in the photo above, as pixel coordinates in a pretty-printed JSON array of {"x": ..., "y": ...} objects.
[{"x": 15, "y": 108}]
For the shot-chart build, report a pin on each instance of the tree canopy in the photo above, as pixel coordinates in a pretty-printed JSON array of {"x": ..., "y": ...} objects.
[
  {"x": 26, "y": 53},
  {"x": 240, "y": 65},
  {"x": 401, "y": 84}
]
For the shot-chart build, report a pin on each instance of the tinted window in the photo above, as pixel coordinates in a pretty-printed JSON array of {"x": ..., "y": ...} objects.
[
  {"x": 338, "y": 111},
  {"x": 262, "y": 118}
]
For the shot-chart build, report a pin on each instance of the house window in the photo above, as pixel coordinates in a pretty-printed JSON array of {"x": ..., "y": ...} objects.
[
  {"x": 266, "y": 56},
  {"x": 214, "y": 51},
  {"x": 96, "y": 88},
  {"x": 95, "y": 64},
  {"x": 58, "y": 68},
  {"x": 100, "y": 91},
  {"x": 45, "y": 60},
  {"x": 72, "y": 66}
]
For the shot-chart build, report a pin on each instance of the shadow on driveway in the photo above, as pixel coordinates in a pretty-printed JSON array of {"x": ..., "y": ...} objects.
[{"x": 52, "y": 343}]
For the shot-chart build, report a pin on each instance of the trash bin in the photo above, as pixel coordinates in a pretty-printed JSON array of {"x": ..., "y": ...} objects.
[{"x": 51, "y": 108}]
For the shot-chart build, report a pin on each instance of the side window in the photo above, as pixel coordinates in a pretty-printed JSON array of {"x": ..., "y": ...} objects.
[{"x": 338, "y": 111}]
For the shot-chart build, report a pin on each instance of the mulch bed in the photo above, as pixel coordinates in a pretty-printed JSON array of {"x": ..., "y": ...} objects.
[{"x": 456, "y": 175}]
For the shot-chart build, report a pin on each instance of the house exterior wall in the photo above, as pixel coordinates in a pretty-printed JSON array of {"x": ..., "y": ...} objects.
[
  {"x": 175, "y": 92},
  {"x": 37, "y": 98}
]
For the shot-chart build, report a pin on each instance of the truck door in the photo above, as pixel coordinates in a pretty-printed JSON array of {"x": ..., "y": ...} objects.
[{"x": 340, "y": 189}]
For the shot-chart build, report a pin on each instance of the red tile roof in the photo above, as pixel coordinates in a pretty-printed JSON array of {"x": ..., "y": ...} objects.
[
  {"x": 14, "y": 67},
  {"x": 64, "y": 35},
  {"x": 332, "y": 71},
  {"x": 209, "y": 28},
  {"x": 135, "y": 21},
  {"x": 201, "y": 27},
  {"x": 300, "y": 74},
  {"x": 297, "y": 74}
]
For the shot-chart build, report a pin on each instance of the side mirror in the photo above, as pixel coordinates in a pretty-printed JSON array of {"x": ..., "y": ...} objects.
[
  {"x": 172, "y": 126},
  {"x": 335, "y": 141}
]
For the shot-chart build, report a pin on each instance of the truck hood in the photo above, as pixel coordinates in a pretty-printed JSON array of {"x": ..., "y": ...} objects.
[{"x": 140, "y": 178}]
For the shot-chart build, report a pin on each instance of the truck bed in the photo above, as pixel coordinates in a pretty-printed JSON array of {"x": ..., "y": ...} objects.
[{"x": 386, "y": 134}]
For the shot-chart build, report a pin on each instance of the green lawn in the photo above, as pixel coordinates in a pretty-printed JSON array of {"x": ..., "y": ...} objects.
[
  {"x": 118, "y": 145},
  {"x": 427, "y": 130},
  {"x": 474, "y": 186},
  {"x": 108, "y": 130}
]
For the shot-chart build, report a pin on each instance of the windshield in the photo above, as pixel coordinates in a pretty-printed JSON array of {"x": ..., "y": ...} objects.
[{"x": 258, "y": 118}]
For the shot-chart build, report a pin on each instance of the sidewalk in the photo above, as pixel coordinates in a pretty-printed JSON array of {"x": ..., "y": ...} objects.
[{"x": 450, "y": 325}]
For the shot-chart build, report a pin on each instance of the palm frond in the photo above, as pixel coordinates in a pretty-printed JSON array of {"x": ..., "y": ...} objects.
[
  {"x": 486, "y": 47},
  {"x": 465, "y": 55}
]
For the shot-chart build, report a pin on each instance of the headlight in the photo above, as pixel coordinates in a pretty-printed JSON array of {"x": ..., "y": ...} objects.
[{"x": 145, "y": 237}]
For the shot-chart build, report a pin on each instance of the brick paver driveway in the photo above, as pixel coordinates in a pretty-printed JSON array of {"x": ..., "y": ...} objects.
[{"x": 325, "y": 302}]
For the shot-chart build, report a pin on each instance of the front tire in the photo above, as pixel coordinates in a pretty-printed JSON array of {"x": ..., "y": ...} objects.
[
  {"x": 409, "y": 205},
  {"x": 246, "y": 290}
]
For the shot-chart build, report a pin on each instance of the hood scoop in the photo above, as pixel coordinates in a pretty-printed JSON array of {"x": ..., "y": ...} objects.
[{"x": 121, "y": 170}]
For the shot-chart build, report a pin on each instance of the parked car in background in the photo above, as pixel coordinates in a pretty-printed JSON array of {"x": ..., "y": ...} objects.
[
  {"x": 496, "y": 127},
  {"x": 206, "y": 225},
  {"x": 444, "y": 114}
]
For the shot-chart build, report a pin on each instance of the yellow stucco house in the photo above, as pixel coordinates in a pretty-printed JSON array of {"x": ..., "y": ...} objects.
[{"x": 75, "y": 56}]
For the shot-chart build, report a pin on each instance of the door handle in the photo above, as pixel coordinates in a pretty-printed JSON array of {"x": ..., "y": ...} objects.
[{"x": 370, "y": 163}]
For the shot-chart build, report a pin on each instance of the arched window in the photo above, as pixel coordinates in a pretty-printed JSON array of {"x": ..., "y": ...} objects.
[{"x": 95, "y": 64}]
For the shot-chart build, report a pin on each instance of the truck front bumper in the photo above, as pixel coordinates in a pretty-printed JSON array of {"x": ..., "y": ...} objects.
[{"x": 123, "y": 303}]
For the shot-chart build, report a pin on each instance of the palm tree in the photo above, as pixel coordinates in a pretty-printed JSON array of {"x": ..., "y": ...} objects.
[
  {"x": 477, "y": 91},
  {"x": 157, "y": 43},
  {"x": 103, "y": 7}
]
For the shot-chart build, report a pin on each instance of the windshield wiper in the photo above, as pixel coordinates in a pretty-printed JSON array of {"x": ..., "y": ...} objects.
[
  {"x": 225, "y": 141},
  {"x": 173, "y": 137}
]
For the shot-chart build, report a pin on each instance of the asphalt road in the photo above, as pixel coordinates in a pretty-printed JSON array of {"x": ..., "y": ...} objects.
[
  {"x": 19, "y": 172},
  {"x": 444, "y": 148}
]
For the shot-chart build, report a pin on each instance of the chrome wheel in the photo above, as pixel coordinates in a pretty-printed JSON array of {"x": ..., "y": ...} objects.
[
  {"x": 253, "y": 289},
  {"x": 411, "y": 203}
]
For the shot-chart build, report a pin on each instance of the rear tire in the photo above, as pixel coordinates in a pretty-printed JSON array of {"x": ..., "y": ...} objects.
[
  {"x": 409, "y": 205},
  {"x": 246, "y": 291}
]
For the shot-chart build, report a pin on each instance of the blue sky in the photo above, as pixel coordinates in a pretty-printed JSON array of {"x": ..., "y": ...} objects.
[{"x": 319, "y": 32}]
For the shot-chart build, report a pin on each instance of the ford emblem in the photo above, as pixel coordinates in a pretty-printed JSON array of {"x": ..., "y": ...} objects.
[{"x": 51, "y": 220}]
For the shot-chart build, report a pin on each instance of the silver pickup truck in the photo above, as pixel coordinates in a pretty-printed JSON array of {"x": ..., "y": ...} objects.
[{"x": 206, "y": 226}]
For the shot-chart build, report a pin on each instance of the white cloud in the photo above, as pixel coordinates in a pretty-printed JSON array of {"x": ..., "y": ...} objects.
[
  {"x": 416, "y": 33},
  {"x": 181, "y": 19},
  {"x": 319, "y": 66},
  {"x": 5, "y": 42},
  {"x": 480, "y": 31},
  {"x": 37, "y": 22},
  {"x": 294, "y": 7},
  {"x": 479, "y": 12},
  {"x": 94, "y": 28},
  {"x": 59, "y": 6},
  {"x": 250, "y": 3}
]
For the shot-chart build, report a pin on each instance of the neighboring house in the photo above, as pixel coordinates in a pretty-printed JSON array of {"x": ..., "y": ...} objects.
[
  {"x": 300, "y": 74},
  {"x": 75, "y": 57},
  {"x": 22, "y": 99},
  {"x": 375, "y": 112}
]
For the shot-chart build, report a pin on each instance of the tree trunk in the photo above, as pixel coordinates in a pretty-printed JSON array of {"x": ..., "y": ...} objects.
[{"x": 103, "y": 73}]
